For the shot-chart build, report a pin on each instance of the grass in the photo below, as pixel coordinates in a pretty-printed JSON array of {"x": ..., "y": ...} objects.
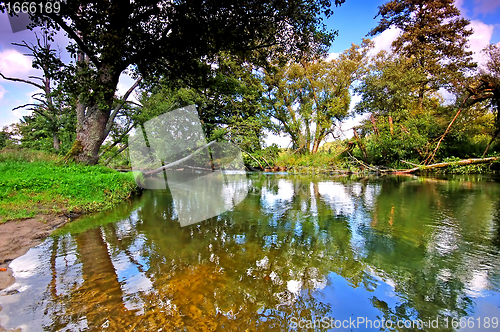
[
  {"x": 33, "y": 183},
  {"x": 328, "y": 158}
]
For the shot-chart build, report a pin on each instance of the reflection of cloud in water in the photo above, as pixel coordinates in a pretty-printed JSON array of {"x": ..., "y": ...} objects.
[
  {"x": 478, "y": 284},
  {"x": 263, "y": 263},
  {"x": 26, "y": 267},
  {"x": 335, "y": 195},
  {"x": 272, "y": 201},
  {"x": 371, "y": 194},
  {"x": 207, "y": 196},
  {"x": 444, "y": 238},
  {"x": 294, "y": 286},
  {"x": 356, "y": 189}
]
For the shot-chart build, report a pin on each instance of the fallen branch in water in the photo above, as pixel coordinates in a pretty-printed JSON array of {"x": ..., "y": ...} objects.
[
  {"x": 172, "y": 164},
  {"x": 372, "y": 168},
  {"x": 451, "y": 163}
]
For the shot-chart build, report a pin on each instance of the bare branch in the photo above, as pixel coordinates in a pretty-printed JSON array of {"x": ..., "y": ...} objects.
[
  {"x": 21, "y": 80},
  {"x": 25, "y": 105},
  {"x": 133, "y": 103},
  {"x": 160, "y": 169},
  {"x": 37, "y": 78},
  {"x": 118, "y": 107}
]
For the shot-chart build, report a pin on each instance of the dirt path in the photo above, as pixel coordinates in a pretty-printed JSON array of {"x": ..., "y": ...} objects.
[{"x": 17, "y": 237}]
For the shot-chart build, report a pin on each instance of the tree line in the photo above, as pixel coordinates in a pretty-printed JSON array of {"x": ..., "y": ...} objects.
[{"x": 260, "y": 67}]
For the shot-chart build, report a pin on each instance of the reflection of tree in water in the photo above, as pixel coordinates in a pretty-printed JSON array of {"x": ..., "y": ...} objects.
[
  {"x": 97, "y": 301},
  {"x": 248, "y": 265},
  {"x": 255, "y": 268},
  {"x": 422, "y": 251}
]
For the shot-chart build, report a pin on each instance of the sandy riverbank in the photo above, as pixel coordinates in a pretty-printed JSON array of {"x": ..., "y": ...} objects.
[{"x": 17, "y": 237}]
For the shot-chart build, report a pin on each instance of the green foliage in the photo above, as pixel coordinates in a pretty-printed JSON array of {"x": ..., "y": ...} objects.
[
  {"x": 4, "y": 138},
  {"x": 321, "y": 159},
  {"x": 408, "y": 118},
  {"x": 44, "y": 187},
  {"x": 409, "y": 139},
  {"x": 267, "y": 157},
  {"x": 433, "y": 38},
  {"x": 402, "y": 126},
  {"x": 230, "y": 105},
  {"x": 37, "y": 132},
  {"x": 108, "y": 39},
  {"x": 310, "y": 99},
  {"x": 384, "y": 91}
]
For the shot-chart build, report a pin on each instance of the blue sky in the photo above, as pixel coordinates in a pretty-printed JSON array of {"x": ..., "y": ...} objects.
[{"x": 353, "y": 20}]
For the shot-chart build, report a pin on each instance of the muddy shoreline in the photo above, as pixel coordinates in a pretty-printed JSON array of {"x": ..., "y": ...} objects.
[{"x": 17, "y": 237}]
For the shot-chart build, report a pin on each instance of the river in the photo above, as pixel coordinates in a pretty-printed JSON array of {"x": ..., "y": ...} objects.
[{"x": 308, "y": 253}]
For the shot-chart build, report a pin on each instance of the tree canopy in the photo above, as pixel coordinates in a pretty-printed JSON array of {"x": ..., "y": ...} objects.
[
  {"x": 176, "y": 39},
  {"x": 310, "y": 99},
  {"x": 433, "y": 36}
]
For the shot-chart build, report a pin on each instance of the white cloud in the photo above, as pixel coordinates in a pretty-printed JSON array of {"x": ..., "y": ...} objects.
[
  {"x": 479, "y": 39},
  {"x": 384, "y": 40},
  {"x": 13, "y": 63},
  {"x": 332, "y": 56},
  {"x": 283, "y": 141},
  {"x": 126, "y": 82}
]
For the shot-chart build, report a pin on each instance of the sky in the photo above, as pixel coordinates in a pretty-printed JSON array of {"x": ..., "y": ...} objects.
[{"x": 353, "y": 20}]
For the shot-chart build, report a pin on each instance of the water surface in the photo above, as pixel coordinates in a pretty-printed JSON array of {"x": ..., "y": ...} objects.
[{"x": 295, "y": 250}]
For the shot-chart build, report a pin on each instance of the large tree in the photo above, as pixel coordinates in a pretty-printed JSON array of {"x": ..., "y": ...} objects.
[
  {"x": 178, "y": 38},
  {"x": 433, "y": 36},
  {"x": 310, "y": 99}
]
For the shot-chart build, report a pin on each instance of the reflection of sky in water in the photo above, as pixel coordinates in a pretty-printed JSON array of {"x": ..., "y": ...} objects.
[
  {"x": 275, "y": 202},
  {"x": 335, "y": 195}
]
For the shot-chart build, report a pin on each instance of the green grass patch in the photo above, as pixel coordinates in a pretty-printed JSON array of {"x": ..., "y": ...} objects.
[
  {"x": 42, "y": 186},
  {"x": 9, "y": 155}
]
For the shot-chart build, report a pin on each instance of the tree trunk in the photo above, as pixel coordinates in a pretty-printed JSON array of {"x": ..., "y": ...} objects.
[
  {"x": 452, "y": 163},
  {"x": 421, "y": 99},
  {"x": 93, "y": 117},
  {"x": 57, "y": 143},
  {"x": 495, "y": 135},
  {"x": 315, "y": 146},
  {"x": 90, "y": 135},
  {"x": 360, "y": 144},
  {"x": 391, "y": 126}
]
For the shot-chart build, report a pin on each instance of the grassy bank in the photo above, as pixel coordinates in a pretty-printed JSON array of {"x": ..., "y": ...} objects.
[{"x": 33, "y": 183}]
